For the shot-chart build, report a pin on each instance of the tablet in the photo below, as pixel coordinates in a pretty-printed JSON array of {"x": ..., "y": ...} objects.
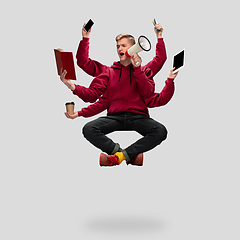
[{"x": 178, "y": 61}]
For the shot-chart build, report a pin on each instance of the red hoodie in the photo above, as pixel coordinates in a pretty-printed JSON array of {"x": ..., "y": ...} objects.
[
  {"x": 95, "y": 68},
  {"x": 125, "y": 88}
]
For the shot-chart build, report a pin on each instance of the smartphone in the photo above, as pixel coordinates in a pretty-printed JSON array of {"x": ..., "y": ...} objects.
[{"x": 88, "y": 25}]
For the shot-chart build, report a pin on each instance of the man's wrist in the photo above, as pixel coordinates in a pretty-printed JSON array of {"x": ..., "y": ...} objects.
[
  {"x": 136, "y": 65},
  {"x": 137, "y": 69},
  {"x": 72, "y": 87}
]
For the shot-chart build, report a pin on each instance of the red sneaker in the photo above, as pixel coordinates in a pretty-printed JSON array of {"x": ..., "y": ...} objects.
[
  {"x": 138, "y": 160},
  {"x": 108, "y": 160}
]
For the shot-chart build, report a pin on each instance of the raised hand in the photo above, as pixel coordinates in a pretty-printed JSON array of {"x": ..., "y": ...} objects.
[
  {"x": 160, "y": 30},
  {"x": 86, "y": 34}
]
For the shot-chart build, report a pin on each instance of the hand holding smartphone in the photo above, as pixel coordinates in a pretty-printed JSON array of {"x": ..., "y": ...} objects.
[{"x": 88, "y": 25}]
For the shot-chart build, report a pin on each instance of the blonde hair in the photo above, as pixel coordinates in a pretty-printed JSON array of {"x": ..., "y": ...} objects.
[{"x": 128, "y": 36}]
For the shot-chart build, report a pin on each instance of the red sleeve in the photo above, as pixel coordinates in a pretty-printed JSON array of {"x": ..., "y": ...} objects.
[
  {"x": 95, "y": 90},
  {"x": 91, "y": 67},
  {"x": 94, "y": 109},
  {"x": 162, "y": 98},
  {"x": 145, "y": 84},
  {"x": 161, "y": 56}
]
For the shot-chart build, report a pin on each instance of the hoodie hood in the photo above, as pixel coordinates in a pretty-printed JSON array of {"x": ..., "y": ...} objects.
[{"x": 118, "y": 65}]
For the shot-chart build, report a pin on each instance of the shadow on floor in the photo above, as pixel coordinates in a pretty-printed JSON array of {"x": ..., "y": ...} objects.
[{"x": 124, "y": 224}]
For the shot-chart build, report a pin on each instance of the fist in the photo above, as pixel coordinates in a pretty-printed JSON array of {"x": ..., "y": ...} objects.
[
  {"x": 158, "y": 30},
  {"x": 136, "y": 60}
]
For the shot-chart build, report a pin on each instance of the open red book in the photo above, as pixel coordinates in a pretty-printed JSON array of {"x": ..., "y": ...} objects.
[{"x": 64, "y": 61}]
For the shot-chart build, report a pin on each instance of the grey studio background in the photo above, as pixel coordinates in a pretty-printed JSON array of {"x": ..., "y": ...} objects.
[{"x": 51, "y": 184}]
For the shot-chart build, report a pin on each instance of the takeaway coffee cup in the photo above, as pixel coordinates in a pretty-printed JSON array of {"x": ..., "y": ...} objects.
[{"x": 70, "y": 107}]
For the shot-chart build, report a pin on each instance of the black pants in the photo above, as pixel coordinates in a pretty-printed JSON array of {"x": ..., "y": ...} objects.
[{"x": 153, "y": 133}]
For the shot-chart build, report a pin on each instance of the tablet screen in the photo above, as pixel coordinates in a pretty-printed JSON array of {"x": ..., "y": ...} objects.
[{"x": 178, "y": 60}]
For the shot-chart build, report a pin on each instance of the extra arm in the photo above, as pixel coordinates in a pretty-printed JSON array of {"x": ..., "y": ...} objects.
[
  {"x": 158, "y": 61},
  {"x": 94, "y": 109},
  {"x": 95, "y": 90},
  {"x": 88, "y": 65},
  {"x": 162, "y": 98}
]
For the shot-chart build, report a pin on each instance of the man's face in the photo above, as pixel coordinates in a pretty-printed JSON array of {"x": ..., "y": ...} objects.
[{"x": 122, "y": 46}]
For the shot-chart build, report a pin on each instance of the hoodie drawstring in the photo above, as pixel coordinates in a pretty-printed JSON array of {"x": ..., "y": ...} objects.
[
  {"x": 130, "y": 73},
  {"x": 120, "y": 73}
]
